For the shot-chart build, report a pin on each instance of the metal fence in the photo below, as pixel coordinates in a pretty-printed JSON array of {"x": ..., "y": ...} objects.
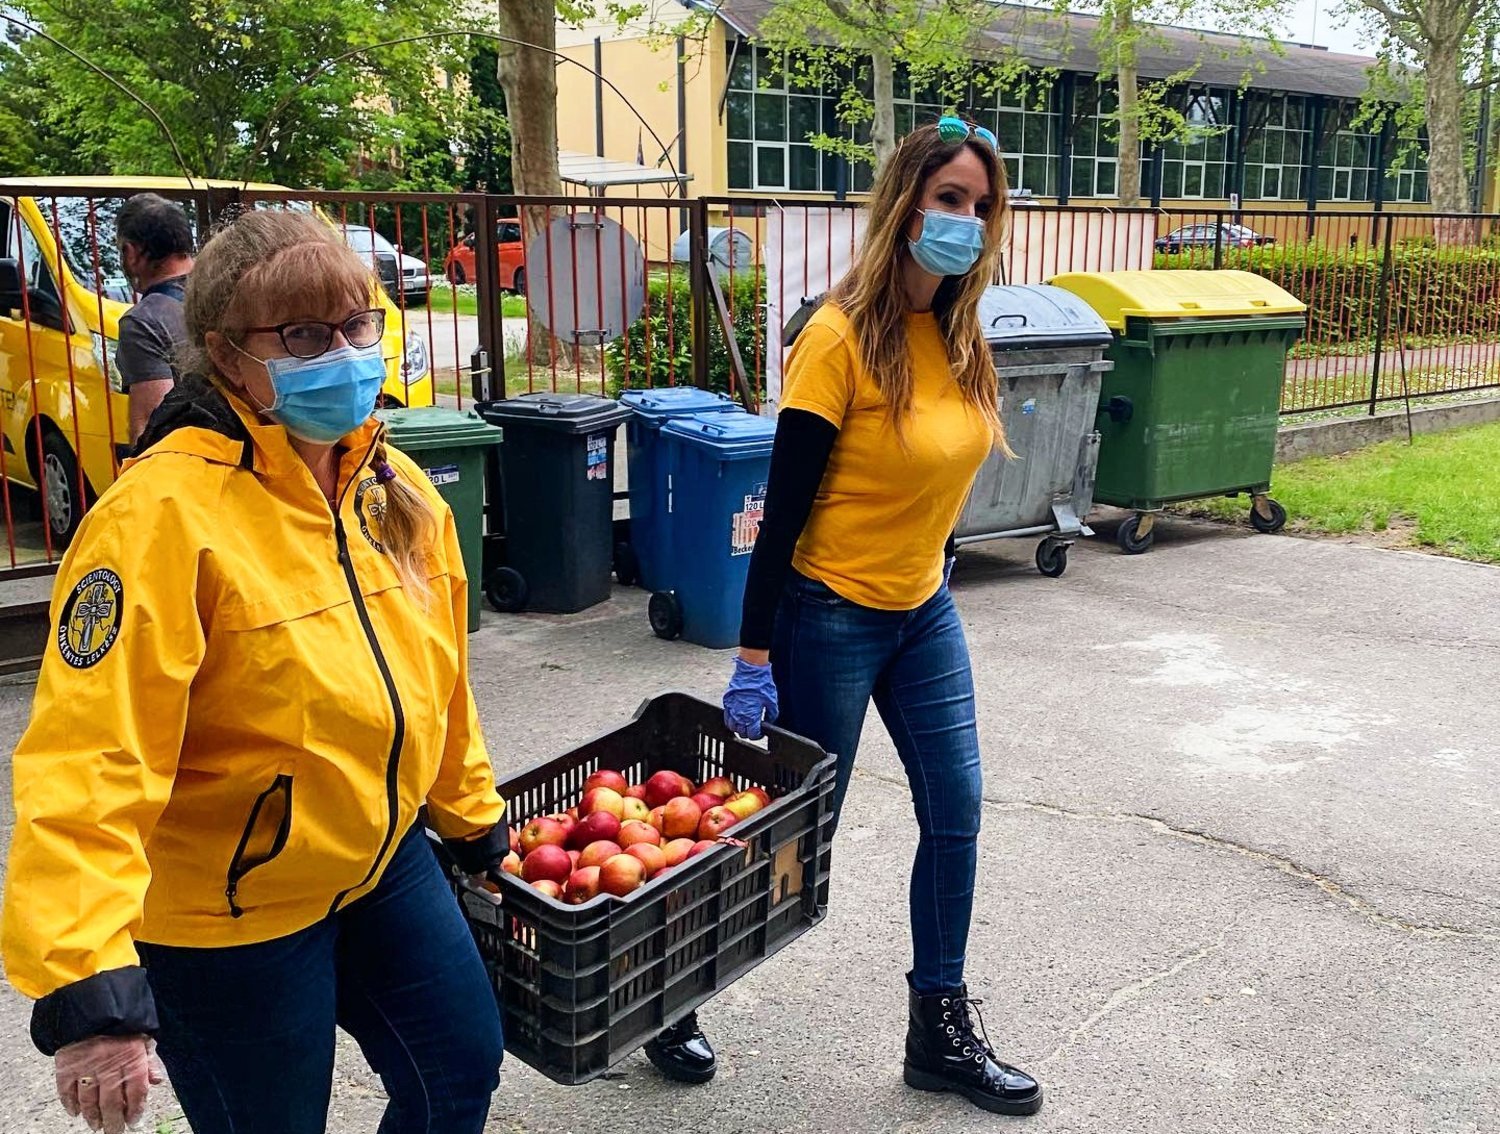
[{"x": 608, "y": 294}]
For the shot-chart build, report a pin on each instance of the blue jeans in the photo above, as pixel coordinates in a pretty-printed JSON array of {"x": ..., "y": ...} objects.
[
  {"x": 830, "y": 657},
  {"x": 247, "y": 1032}
]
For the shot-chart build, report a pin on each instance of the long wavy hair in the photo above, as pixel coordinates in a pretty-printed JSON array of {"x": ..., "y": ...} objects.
[{"x": 873, "y": 295}]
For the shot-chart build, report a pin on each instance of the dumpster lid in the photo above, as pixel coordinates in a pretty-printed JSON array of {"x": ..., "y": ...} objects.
[
  {"x": 1019, "y": 316},
  {"x": 413, "y": 430},
  {"x": 1179, "y": 294},
  {"x": 729, "y": 434},
  {"x": 675, "y": 401},
  {"x": 566, "y": 413}
]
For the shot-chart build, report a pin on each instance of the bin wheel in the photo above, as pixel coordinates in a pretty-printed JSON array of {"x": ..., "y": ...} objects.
[
  {"x": 506, "y": 589},
  {"x": 1130, "y": 540},
  {"x": 1052, "y": 558},
  {"x": 627, "y": 566},
  {"x": 1268, "y": 525},
  {"x": 665, "y": 613}
]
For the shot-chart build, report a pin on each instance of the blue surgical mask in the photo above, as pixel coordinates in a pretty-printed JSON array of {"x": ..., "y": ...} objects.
[
  {"x": 949, "y": 245},
  {"x": 322, "y": 399}
]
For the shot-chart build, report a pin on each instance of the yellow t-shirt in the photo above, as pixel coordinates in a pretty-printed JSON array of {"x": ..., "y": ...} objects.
[{"x": 884, "y": 512}]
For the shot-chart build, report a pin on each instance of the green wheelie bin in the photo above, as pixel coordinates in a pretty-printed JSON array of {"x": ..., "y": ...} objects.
[
  {"x": 451, "y": 448},
  {"x": 1192, "y": 405}
]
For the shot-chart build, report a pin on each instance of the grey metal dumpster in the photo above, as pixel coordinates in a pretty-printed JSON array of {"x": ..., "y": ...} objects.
[{"x": 1049, "y": 351}]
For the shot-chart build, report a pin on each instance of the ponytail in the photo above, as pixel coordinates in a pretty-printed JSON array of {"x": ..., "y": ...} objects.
[{"x": 406, "y": 527}]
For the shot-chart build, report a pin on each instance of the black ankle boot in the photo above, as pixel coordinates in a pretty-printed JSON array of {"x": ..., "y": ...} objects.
[
  {"x": 945, "y": 1053},
  {"x": 683, "y": 1053}
]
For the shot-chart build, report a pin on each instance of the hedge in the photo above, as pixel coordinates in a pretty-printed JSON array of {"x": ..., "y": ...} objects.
[
  {"x": 1439, "y": 294},
  {"x": 670, "y": 357}
]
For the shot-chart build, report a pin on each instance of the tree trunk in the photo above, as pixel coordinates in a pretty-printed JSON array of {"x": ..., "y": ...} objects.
[
  {"x": 1445, "y": 133},
  {"x": 883, "y": 128},
  {"x": 529, "y": 79},
  {"x": 1128, "y": 170}
]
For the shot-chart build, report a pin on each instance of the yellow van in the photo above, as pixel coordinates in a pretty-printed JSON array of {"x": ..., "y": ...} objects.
[{"x": 65, "y": 426}]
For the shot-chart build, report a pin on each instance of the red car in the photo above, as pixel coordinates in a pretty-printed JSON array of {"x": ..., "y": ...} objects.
[{"x": 459, "y": 266}]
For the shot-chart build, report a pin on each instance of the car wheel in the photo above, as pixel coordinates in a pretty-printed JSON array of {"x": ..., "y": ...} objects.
[
  {"x": 64, "y": 499},
  {"x": 518, "y": 282},
  {"x": 456, "y": 274}
]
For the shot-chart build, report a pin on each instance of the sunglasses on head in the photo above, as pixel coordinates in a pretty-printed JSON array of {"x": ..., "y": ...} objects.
[{"x": 954, "y": 130}]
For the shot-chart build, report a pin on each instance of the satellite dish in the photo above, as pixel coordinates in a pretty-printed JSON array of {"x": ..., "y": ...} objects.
[{"x": 586, "y": 279}]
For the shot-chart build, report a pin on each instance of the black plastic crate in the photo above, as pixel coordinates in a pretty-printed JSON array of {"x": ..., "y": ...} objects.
[{"x": 581, "y": 987}]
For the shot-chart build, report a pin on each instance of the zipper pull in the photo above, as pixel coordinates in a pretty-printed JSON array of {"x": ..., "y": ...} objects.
[{"x": 230, "y": 892}]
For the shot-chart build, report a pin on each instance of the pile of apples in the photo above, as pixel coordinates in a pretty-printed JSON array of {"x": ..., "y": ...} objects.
[{"x": 622, "y": 835}]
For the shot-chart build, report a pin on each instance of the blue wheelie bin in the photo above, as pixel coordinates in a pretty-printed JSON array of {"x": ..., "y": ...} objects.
[
  {"x": 644, "y": 558},
  {"x": 717, "y": 465}
]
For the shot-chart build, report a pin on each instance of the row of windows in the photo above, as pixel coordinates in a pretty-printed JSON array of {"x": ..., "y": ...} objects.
[{"x": 770, "y": 120}]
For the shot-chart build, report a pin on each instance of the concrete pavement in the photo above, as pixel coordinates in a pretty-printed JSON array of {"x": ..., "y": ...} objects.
[{"x": 1239, "y": 868}]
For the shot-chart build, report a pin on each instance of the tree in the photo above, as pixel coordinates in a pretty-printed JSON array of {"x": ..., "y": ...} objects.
[
  {"x": 1146, "y": 113},
  {"x": 830, "y": 43},
  {"x": 485, "y": 140},
  {"x": 1435, "y": 48},
  {"x": 217, "y": 71}
]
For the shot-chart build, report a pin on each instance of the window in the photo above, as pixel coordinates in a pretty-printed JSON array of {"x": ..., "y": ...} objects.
[
  {"x": 1407, "y": 178},
  {"x": 1196, "y": 166},
  {"x": 1347, "y": 171},
  {"x": 1273, "y": 155},
  {"x": 1096, "y": 141},
  {"x": 44, "y": 304}
]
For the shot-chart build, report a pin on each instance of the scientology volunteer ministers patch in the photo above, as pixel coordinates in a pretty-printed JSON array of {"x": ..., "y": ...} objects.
[{"x": 90, "y": 620}]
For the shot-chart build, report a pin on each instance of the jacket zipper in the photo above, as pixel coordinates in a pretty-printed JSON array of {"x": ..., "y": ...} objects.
[
  {"x": 398, "y": 737},
  {"x": 237, "y": 866}
]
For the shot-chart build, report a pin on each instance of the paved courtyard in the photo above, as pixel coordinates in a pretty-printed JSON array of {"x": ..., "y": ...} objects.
[{"x": 1240, "y": 869}]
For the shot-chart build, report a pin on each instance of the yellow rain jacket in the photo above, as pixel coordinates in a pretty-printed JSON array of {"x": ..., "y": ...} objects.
[{"x": 238, "y": 716}]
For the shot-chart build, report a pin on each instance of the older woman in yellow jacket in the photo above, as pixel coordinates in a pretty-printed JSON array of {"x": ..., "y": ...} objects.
[{"x": 257, "y": 676}]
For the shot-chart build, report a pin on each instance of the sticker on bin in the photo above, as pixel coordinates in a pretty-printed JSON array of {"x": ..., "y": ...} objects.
[
  {"x": 442, "y": 474},
  {"x": 747, "y": 522},
  {"x": 596, "y": 456},
  {"x": 1028, "y": 406}
]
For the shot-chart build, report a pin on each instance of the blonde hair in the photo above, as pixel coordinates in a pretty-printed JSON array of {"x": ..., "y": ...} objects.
[
  {"x": 873, "y": 295},
  {"x": 265, "y": 265}
]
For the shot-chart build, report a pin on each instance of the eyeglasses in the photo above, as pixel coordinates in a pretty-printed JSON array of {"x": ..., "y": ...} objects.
[
  {"x": 308, "y": 338},
  {"x": 954, "y": 130}
]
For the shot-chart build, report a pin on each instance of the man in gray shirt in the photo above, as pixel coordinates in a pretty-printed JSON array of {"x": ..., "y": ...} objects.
[{"x": 156, "y": 253}]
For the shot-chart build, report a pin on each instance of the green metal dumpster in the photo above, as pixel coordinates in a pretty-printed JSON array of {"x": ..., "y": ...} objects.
[
  {"x": 1192, "y": 405},
  {"x": 451, "y": 448}
]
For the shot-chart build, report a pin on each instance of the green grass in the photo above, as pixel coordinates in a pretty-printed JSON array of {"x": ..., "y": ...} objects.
[
  {"x": 1442, "y": 493},
  {"x": 442, "y": 301}
]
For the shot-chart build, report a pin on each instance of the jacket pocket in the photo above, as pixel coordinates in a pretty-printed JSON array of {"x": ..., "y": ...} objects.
[{"x": 263, "y": 838}]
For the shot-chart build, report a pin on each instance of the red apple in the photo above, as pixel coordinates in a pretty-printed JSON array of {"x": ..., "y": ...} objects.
[
  {"x": 636, "y": 791},
  {"x": 715, "y": 822},
  {"x": 688, "y": 787},
  {"x": 706, "y": 799},
  {"x": 719, "y": 786},
  {"x": 636, "y": 809},
  {"x": 761, "y": 794},
  {"x": 622, "y": 874},
  {"x": 634, "y": 832},
  {"x": 565, "y": 821},
  {"x": 700, "y": 846},
  {"x": 680, "y": 818},
  {"x": 602, "y": 799},
  {"x": 743, "y": 805},
  {"x": 548, "y": 887},
  {"x": 511, "y": 864},
  {"x": 573, "y": 857},
  {"x": 583, "y": 884},
  {"x": 656, "y": 817},
  {"x": 665, "y": 786},
  {"x": 605, "y": 777},
  {"x": 653, "y": 858},
  {"x": 573, "y": 813},
  {"x": 541, "y": 833},
  {"x": 593, "y": 827},
  {"x": 548, "y": 861},
  {"x": 515, "y": 839},
  {"x": 677, "y": 851},
  {"x": 597, "y": 854}
]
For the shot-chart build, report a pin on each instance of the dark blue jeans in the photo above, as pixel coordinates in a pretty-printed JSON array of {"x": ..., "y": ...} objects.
[
  {"x": 830, "y": 658},
  {"x": 247, "y": 1032}
]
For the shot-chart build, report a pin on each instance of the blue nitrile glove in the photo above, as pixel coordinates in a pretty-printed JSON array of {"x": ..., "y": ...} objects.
[{"x": 750, "y": 699}]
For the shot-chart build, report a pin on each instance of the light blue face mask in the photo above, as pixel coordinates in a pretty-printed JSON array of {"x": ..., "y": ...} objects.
[
  {"x": 949, "y": 245},
  {"x": 322, "y": 399}
]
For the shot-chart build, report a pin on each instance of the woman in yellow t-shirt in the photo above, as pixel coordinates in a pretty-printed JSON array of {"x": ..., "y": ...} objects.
[{"x": 890, "y": 408}]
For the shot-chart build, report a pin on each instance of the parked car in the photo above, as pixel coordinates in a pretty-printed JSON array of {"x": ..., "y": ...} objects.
[
  {"x": 1211, "y": 235},
  {"x": 63, "y": 414},
  {"x": 459, "y": 266},
  {"x": 416, "y": 279}
]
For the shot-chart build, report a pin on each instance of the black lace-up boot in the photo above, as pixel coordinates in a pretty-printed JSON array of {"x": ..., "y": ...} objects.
[
  {"x": 683, "y": 1052},
  {"x": 944, "y": 1052}
]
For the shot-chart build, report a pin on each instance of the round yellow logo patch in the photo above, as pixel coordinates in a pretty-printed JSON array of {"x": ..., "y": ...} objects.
[{"x": 90, "y": 620}]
